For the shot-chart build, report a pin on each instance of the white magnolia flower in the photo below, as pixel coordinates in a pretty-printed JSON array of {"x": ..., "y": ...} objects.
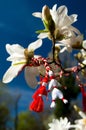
[
  {"x": 75, "y": 42},
  {"x": 83, "y": 53},
  {"x": 81, "y": 123},
  {"x": 61, "y": 124},
  {"x": 20, "y": 58},
  {"x": 62, "y": 26}
]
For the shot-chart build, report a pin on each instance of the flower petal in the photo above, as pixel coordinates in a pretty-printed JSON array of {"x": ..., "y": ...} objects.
[
  {"x": 62, "y": 10},
  {"x": 54, "y": 7},
  {"x": 63, "y": 49},
  {"x": 60, "y": 44},
  {"x": 11, "y": 73},
  {"x": 84, "y": 44},
  {"x": 84, "y": 62},
  {"x": 74, "y": 30},
  {"x": 37, "y": 14},
  {"x": 35, "y": 45},
  {"x": 73, "y": 18},
  {"x": 43, "y": 35},
  {"x": 31, "y": 74},
  {"x": 14, "y": 48},
  {"x": 16, "y": 57}
]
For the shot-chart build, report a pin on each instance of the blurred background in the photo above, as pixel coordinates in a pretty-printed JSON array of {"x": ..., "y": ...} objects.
[{"x": 17, "y": 25}]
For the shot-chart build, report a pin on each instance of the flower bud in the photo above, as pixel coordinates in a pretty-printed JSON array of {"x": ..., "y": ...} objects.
[
  {"x": 46, "y": 13},
  {"x": 82, "y": 114},
  {"x": 48, "y": 21}
]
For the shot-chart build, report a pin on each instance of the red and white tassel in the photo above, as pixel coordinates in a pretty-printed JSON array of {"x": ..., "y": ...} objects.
[
  {"x": 37, "y": 104},
  {"x": 55, "y": 92}
]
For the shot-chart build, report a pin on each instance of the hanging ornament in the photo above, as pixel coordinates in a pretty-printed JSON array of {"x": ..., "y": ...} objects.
[
  {"x": 37, "y": 104},
  {"x": 55, "y": 92}
]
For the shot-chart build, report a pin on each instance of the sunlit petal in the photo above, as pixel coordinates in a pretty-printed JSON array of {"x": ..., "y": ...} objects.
[
  {"x": 75, "y": 30},
  {"x": 84, "y": 44},
  {"x": 11, "y": 73},
  {"x": 16, "y": 58},
  {"x": 62, "y": 10},
  {"x": 43, "y": 35},
  {"x": 14, "y": 48},
  {"x": 35, "y": 45},
  {"x": 84, "y": 62},
  {"x": 73, "y": 18},
  {"x": 54, "y": 7},
  {"x": 63, "y": 49},
  {"x": 37, "y": 14}
]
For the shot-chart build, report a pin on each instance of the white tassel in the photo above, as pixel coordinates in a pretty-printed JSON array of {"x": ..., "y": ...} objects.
[
  {"x": 65, "y": 101},
  {"x": 53, "y": 104},
  {"x": 55, "y": 92}
]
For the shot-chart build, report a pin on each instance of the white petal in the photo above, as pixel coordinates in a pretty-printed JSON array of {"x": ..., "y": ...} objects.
[
  {"x": 59, "y": 44},
  {"x": 84, "y": 62},
  {"x": 63, "y": 49},
  {"x": 14, "y": 48},
  {"x": 54, "y": 7},
  {"x": 73, "y": 17},
  {"x": 84, "y": 44},
  {"x": 31, "y": 74},
  {"x": 66, "y": 21},
  {"x": 75, "y": 30},
  {"x": 43, "y": 35},
  {"x": 9, "y": 49},
  {"x": 35, "y": 45},
  {"x": 62, "y": 10},
  {"x": 16, "y": 57},
  {"x": 37, "y": 14},
  {"x": 11, "y": 73}
]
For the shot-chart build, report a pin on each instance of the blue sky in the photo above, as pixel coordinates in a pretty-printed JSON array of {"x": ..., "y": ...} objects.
[{"x": 17, "y": 25}]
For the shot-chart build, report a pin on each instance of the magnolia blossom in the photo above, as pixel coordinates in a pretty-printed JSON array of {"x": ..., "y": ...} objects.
[
  {"x": 81, "y": 123},
  {"x": 20, "y": 58},
  {"x": 75, "y": 42},
  {"x": 58, "y": 22},
  {"x": 61, "y": 124},
  {"x": 83, "y": 53}
]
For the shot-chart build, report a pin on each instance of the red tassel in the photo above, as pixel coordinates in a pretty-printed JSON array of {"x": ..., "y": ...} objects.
[
  {"x": 37, "y": 105},
  {"x": 35, "y": 95},
  {"x": 41, "y": 90},
  {"x": 83, "y": 98}
]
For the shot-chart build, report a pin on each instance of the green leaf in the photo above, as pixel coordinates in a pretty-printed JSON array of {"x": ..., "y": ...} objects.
[{"x": 41, "y": 31}]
